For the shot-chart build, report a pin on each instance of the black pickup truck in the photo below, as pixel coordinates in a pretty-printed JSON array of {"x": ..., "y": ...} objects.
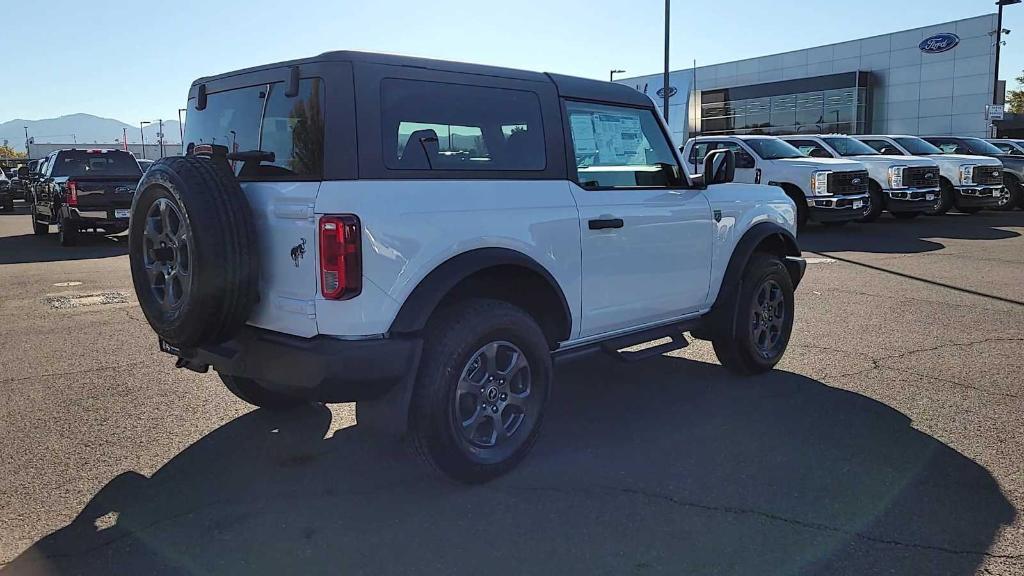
[{"x": 83, "y": 190}]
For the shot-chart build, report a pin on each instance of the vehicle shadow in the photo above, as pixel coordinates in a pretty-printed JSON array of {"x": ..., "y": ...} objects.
[
  {"x": 923, "y": 234},
  {"x": 666, "y": 467},
  {"x": 27, "y": 248}
]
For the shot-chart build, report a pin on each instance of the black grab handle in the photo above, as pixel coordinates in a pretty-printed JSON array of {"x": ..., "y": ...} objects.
[{"x": 602, "y": 223}]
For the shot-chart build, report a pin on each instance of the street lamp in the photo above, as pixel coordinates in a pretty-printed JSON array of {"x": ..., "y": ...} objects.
[
  {"x": 612, "y": 73},
  {"x": 143, "y": 135},
  {"x": 999, "y": 42}
]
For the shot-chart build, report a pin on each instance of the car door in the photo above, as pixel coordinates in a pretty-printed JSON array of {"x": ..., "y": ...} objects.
[
  {"x": 746, "y": 165},
  {"x": 42, "y": 187},
  {"x": 646, "y": 237}
]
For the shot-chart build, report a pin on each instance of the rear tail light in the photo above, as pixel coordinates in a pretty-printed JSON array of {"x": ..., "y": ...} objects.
[
  {"x": 341, "y": 265},
  {"x": 72, "y": 193}
]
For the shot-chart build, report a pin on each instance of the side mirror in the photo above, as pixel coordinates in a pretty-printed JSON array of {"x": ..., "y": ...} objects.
[
  {"x": 819, "y": 153},
  {"x": 719, "y": 167}
]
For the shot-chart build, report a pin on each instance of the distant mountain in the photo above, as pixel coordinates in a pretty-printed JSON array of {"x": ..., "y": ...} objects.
[{"x": 83, "y": 129}]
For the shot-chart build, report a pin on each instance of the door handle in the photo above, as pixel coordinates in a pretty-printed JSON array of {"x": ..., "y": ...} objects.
[{"x": 603, "y": 223}]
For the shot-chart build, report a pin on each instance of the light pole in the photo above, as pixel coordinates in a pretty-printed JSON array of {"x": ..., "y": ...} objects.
[
  {"x": 999, "y": 43},
  {"x": 143, "y": 135},
  {"x": 612, "y": 73},
  {"x": 181, "y": 130},
  {"x": 160, "y": 136},
  {"x": 28, "y": 153},
  {"x": 664, "y": 87}
]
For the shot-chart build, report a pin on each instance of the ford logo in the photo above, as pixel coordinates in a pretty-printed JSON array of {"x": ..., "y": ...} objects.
[
  {"x": 671, "y": 92},
  {"x": 855, "y": 181},
  {"x": 995, "y": 174},
  {"x": 929, "y": 175},
  {"x": 939, "y": 43}
]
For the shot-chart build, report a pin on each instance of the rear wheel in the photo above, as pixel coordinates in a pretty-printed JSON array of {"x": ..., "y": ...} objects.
[
  {"x": 947, "y": 195},
  {"x": 481, "y": 390},
  {"x": 877, "y": 203},
  {"x": 252, "y": 392},
  {"x": 67, "y": 234},
  {"x": 757, "y": 319},
  {"x": 905, "y": 215}
]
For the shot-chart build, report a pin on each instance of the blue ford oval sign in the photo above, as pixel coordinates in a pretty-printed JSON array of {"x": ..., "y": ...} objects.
[
  {"x": 939, "y": 43},
  {"x": 671, "y": 92}
]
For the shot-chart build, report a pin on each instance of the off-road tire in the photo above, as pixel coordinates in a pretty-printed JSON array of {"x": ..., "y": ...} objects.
[
  {"x": 453, "y": 338},
  {"x": 249, "y": 390},
  {"x": 876, "y": 204},
  {"x": 220, "y": 249},
  {"x": 733, "y": 338},
  {"x": 67, "y": 234}
]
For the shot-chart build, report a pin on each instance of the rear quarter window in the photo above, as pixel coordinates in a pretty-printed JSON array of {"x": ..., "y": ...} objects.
[
  {"x": 262, "y": 118},
  {"x": 436, "y": 126}
]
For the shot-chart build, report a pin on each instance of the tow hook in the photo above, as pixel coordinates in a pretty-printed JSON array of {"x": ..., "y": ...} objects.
[{"x": 200, "y": 367}]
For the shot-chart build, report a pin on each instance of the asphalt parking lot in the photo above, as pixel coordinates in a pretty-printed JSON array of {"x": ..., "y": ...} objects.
[{"x": 888, "y": 441}]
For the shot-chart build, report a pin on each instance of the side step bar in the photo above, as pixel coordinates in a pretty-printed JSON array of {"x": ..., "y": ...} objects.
[{"x": 614, "y": 345}]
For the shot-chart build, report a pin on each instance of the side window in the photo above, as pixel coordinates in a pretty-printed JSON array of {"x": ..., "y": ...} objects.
[
  {"x": 1006, "y": 148},
  {"x": 949, "y": 146},
  {"x": 699, "y": 150},
  {"x": 436, "y": 126},
  {"x": 743, "y": 158},
  {"x": 619, "y": 147},
  {"x": 262, "y": 119},
  {"x": 810, "y": 148}
]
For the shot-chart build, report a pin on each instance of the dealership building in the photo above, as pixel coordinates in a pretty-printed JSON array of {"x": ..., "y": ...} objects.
[{"x": 927, "y": 81}]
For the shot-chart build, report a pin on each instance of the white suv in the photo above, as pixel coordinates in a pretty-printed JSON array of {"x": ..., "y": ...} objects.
[
  {"x": 426, "y": 237},
  {"x": 824, "y": 190},
  {"x": 906, "y": 186}
]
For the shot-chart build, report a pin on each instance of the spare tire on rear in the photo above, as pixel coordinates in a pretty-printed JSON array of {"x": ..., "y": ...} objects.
[{"x": 191, "y": 248}]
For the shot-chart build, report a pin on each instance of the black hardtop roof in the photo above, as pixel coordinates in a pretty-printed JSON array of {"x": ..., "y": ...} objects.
[{"x": 568, "y": 86}]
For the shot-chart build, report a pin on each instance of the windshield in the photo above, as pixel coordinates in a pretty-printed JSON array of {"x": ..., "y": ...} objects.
[
  {"x": 773, "y": 148},
  {"x": 74, "y": 163},
  {"x": 982, "y": 147},
  {"x": 846, "y": 146},
  {"x": 917, "y": 146}
]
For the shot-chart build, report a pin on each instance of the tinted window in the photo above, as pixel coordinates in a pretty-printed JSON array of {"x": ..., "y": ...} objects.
[
  {"x": 948, "y": 146},
  {"x": 620, "y": 147},
  {"x": 917, "y": 146},
  {"x": 699, "y": 150},
  {"x": 883, "y": 147},
  {"x": 743, "y": 158},
  {"x": 262, "y": 118},
  {"x": 773, "y": 148},
  {"x": 85, "y": 163},
  {"x": 435, "y": 126},
  {"x": 979, "y": 146},
  {"x": 849, "y": 147},
  {"x": 810, "y": 148},
  {"x": 1006, "y": 148}
]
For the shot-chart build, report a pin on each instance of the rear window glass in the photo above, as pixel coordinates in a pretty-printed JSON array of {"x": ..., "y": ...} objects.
[
  {"x": 436, "y": 126},
  {"x": 85, "y": 163},
  {"x": 262, "y": 118}
]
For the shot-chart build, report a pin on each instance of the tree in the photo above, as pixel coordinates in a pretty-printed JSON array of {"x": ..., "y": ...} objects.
[
  {"x": 1015, "y": 98},
  {"x": 8, "y": 152}
]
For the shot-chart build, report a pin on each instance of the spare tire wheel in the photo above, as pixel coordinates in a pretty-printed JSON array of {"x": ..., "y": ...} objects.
[{"x": 191, "y": 246}]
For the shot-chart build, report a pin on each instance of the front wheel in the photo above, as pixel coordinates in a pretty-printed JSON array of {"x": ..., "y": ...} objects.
[
  {"x": 757, "y": 319},
  {"x": 876, "y": 204},
  {"x": 251, "y": 391},
  {"x": 481, "y": 390},
  {"x": 947, "y": 195},
  {"x": 1014, "y": 194}
]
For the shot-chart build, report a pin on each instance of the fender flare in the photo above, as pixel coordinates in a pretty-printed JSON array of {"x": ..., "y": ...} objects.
[
  {"x": 423, "y": 300},
  {"x": 745, "y": 248}
]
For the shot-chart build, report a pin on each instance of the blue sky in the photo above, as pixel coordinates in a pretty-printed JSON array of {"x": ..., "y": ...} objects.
[{"x": 134, "y": 60}]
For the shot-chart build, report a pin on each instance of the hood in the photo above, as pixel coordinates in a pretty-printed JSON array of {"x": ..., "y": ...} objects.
[
  {"x": 823, "y": 163},
  {"x": 966, "y": 159},
  {"x": 893, "y": 160}
]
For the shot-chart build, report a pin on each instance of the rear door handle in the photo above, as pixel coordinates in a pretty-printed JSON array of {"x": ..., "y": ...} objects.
[{"x": 602, "y": 223}]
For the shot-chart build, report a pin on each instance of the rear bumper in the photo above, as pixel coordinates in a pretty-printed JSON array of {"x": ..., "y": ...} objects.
[
  {"x": 979, "y": 196},
  {"x": 838, "y": 208},
  {"x": 321, "y": 368},
  {"x": 911, "y": 199},
  {"x": 98, "y": 217}
]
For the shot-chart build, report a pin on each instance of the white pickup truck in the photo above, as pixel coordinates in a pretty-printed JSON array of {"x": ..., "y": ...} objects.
[
  {"x": 826, "y": 190},
  {"x": 905, "y": 186},
  {"x": 963, "y": 182}
]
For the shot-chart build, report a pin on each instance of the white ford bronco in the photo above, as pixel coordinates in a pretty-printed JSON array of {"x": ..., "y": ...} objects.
[
  {"x": 825, "y": 190},
  {"x": 425, "y": 238},
  {"x": 906, "y": 186},
  {"x": 967, "y": 182}
]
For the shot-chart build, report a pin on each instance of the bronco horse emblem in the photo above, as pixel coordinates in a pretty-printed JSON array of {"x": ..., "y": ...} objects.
[{"x": 298, "y": 251}]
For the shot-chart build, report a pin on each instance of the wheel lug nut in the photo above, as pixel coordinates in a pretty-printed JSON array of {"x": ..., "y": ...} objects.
[
  {"x": 494, "y": 408},
  {"x": 504, "y": 397}
]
